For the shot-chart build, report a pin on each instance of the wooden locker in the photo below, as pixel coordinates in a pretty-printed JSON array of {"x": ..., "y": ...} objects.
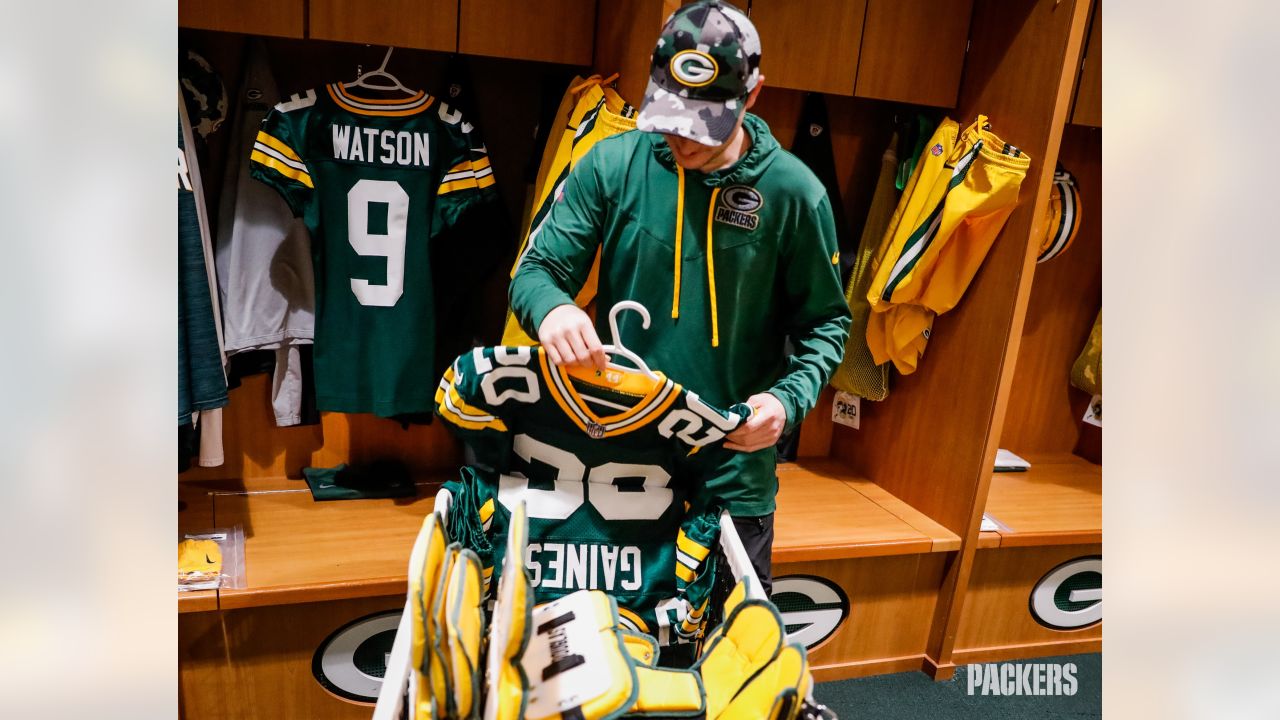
[
  {"x": 913, "y": 50},
  {"x": 254, "y": 17},
  {"x": 425, "y": 24},
  {"x": 1088, "y": 109},
  {"x": 558, "y": 31},
  {"x": 810, "y": 45}
]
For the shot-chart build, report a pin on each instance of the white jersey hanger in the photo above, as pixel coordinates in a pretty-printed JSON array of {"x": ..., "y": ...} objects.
[
  {"x": 381, "y": 72},
  {"x": 617, "y": 348}
]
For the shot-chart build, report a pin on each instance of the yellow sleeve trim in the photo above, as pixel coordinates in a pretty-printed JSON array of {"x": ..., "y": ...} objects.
[
  {"x": 457, "y": 185},
  {"x": 469, "y": 183},
  {"x": 685, "y": 573},
  {"x": 470, "y": 166},
  {"x": 442, "y": 406},
  {"x": 461, "y": 422},
  {"x": 277, "y": 145},
  {"x": 292, "y": 173},
  {"x": 691, "y": 548}
]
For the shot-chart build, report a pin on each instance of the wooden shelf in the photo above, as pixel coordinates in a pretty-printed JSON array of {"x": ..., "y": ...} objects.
[
  {"x": 1057, "y": 502},
  {"x": 826, "y": 513},
  {"x": 298, "y": 550}
]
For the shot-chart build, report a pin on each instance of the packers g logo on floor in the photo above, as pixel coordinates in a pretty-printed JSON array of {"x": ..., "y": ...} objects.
[
  {"x": 1069, "y": 597},
  {"x": 694, "y": 68},
  {"x": 812, "y": 608},
  {"x": 352, "y": 661}
]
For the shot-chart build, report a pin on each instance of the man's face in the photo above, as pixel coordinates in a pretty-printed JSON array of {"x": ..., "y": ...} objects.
[{"x": 692, "y": 155}]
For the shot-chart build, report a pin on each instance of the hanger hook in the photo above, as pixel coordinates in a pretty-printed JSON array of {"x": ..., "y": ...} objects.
[
  {"x": 386, "y": 58},
  {"x": 617, "y": 348},
  {"x": 626, "y": 305}
]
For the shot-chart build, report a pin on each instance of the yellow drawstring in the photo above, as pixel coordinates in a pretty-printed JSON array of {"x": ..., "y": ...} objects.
[
  {"x": 711, "y": 271},
  {"x": 711, "y": 260},
  {"x": 675, "y": 295}
]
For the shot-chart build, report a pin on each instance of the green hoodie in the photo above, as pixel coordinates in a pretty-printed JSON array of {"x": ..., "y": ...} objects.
[{"x": 719, "y": 321}]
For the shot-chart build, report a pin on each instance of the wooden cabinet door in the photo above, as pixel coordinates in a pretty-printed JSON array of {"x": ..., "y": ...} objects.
[
  {"x": 425, "y": 24},
  {"x": 558, "y": 31},
  {"x": 282, "y": 18},
  {"x": 913, "y": 50},
  {"x": 1088, "y": 108},
  {"x": 810, "y": 45}
]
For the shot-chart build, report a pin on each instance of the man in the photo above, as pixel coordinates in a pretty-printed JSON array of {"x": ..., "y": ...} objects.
[{"x": 699, "y": 210}]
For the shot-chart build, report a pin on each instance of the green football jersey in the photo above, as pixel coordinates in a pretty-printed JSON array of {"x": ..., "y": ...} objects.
[
  {"x": 613, "y": 469},
  {"x": 375, "y": 181}
]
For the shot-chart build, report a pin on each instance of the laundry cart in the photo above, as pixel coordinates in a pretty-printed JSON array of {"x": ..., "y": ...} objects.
[{"x": 397, "y": 684}]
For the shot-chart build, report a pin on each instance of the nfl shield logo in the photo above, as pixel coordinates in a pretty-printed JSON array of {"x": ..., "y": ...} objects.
[
  {"x": 936, "y": 149},
  {"x": 595, "y": 430}
]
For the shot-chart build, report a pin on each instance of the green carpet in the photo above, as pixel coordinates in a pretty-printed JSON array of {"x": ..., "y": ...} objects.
[{"x": 914, "y": 695}]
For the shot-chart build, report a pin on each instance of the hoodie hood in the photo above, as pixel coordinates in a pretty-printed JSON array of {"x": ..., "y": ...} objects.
[{"x": 745, "y": 171}]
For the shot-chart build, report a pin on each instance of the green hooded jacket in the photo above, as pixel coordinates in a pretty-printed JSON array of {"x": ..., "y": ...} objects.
[{"x": 719, "y": 319}]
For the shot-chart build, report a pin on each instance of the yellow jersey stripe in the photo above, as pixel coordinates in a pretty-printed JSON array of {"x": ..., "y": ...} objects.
[
  {"x": 444, "y": 404},
  {"x": 649, "y": 415},
  {"x": 457, "y": 185},
  {"x": 461, "y": 422},
  {"x": 640, "y": 625},
  {"x": 651, "y": 407},
  {"x": 340, "y": 102},
  {"x": 382, "y": 101},
  {"x": 685, "y": 573},
  {"x": 556, "y": 394},
  {"x": 486, "y": 181},
  {"x": 277, "y": 145},
  {"x": 291, "y": 173},
  {"x": 691, "y": 548},
  {"x": 462, "y": 406}
]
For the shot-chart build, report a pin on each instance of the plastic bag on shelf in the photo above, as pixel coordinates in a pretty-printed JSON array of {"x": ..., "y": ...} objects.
[{"x": 211, "y": 559}]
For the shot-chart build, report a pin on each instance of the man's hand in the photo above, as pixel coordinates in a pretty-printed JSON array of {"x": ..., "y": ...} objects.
[
  {"x": 570, "y": 338},
  {"x": 763, "y": 428}
]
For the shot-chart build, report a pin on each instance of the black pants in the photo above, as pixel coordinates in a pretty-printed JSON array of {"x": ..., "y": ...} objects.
[{"x": 756, "y": 534}]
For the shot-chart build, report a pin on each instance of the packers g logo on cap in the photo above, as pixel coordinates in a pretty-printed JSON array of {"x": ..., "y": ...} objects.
[{"x": 694, "y": 68}]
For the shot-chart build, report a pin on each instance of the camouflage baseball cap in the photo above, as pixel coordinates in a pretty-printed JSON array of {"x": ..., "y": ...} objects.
[{"x": 706, "y": 61}]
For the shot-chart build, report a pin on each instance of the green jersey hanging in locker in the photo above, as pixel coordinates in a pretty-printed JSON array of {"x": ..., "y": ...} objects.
[{"x": 375, "y": 181}]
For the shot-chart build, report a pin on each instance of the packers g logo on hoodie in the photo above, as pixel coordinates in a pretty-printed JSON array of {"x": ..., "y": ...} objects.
[{"x": 738, "y": 205}]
